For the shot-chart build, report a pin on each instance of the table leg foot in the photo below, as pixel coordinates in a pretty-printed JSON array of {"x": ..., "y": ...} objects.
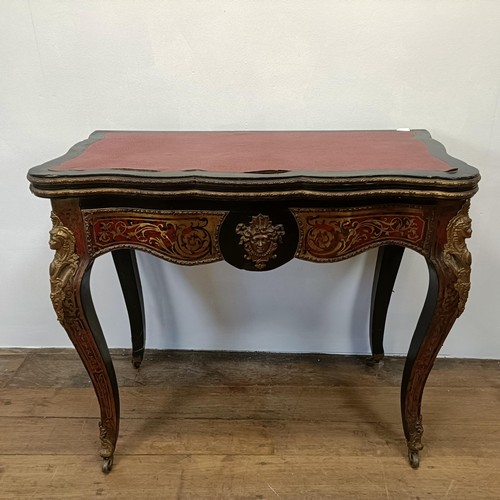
[
  {"x": 414, "y": 458},
  {"x": 137, "y": 360},
  {"x": 377, "y": 360},
  {"x": 107, "y": 436},
  {"x": 414, "y": 443}
]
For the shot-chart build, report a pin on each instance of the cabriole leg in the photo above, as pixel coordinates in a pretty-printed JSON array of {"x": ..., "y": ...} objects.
[
  {"x": 70, "y": 294},
  {"x": 386, "y": 270},
  {"x": 449, "y": 283},
  {"x": 130, "y": 282}
]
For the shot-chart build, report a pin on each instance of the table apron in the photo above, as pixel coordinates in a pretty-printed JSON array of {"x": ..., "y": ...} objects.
[{"x": 192, "y": 237}]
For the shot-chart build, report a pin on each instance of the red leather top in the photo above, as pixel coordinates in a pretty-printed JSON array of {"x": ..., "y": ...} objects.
[{"x": 255, "y": 151}]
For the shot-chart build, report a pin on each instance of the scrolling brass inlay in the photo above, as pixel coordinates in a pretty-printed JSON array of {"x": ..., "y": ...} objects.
[
  {"x": 456, "y": 255},
  {"x": 327, "y": 235},
  {"x": 260, "y": 239},
  {"x": 182, "y": 237},
  {"x": 63, "y": 267}
]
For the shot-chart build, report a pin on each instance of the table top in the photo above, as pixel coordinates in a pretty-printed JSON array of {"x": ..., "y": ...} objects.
[{"x": 199, "y": 160}]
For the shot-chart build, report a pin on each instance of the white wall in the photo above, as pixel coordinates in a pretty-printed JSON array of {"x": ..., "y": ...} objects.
[{"x": 68, "y": 68}]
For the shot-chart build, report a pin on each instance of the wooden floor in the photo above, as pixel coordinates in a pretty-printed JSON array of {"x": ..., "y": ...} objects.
[{"x": 246, "y": 425}]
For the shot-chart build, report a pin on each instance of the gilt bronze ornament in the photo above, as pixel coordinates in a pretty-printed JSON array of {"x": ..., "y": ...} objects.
[{"x": 260, "y": 239}]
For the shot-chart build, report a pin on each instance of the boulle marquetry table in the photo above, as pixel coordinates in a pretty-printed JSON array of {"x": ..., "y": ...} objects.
[{"x": 257, "y": 200}]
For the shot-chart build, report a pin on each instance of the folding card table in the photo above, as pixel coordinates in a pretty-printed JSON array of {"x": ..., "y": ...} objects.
[{"x": 257, "y": 200}]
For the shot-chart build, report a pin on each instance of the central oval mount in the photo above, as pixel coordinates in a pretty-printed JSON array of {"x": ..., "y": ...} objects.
[{"x": 260, "y": 240}]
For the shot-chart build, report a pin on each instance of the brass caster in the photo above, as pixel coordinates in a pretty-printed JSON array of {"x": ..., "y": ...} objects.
[
  {"x": 414, "y": 458},
  {"x": 107, "y": 465}
]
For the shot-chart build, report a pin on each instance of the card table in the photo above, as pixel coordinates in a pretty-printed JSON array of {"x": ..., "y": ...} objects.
[{"x": 256, "y": 200}]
